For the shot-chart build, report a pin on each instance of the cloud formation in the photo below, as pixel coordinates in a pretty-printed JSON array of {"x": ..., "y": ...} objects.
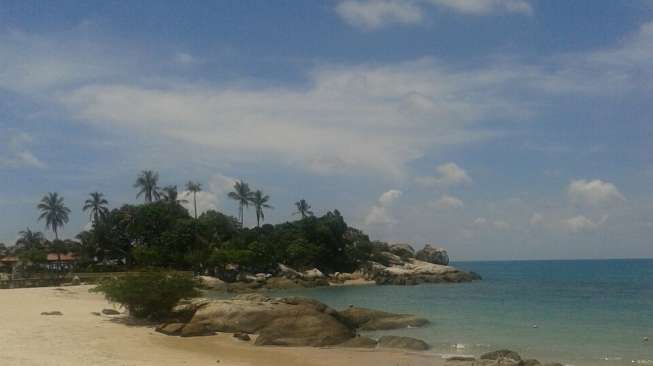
[
  {"x": 380, "y": 214},
  {"x": 448, "y": 175},
  {"x": 15, "y": 152},
  {"x": 376, "y": 14},
  {"x": 594, "y": 192},
  {"x": 448, "y": 202}
]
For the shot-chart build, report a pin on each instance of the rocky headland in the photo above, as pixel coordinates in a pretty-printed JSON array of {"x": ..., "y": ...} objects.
[{"x": 391, "y": 264}]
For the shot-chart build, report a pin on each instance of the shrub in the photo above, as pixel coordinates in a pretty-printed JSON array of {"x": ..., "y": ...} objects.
[{"x": 151, "y": 294}]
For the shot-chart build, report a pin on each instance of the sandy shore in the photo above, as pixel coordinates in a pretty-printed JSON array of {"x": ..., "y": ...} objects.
[{"x": 79, "y": 338}]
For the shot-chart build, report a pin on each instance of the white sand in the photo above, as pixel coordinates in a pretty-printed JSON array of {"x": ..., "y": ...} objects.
[{"x": 79, "y": 338}]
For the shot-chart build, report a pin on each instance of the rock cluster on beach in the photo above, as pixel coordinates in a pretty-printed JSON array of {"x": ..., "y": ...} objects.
[
  {"x": 396, "y": 264},
  {"x": 502, "y": 357},
  {"x": 291, "y": 321}
]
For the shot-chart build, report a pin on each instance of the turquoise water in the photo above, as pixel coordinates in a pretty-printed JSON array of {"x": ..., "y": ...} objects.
[{"x": 586, "y": 312}]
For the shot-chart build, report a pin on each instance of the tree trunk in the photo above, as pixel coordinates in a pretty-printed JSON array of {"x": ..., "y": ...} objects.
[{"x": 195, "y": 203}]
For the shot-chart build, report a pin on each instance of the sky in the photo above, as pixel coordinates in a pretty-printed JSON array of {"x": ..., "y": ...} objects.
[{"x": 498, "y": 129}]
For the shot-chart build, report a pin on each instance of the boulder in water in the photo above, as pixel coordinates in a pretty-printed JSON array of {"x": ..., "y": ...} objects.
[{"x": 368, "y": 319}]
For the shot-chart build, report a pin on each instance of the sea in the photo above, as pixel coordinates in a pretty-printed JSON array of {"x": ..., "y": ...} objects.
[{"x": 577, "y": 312}]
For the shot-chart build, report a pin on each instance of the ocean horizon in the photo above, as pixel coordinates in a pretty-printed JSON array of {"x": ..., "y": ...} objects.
[{"x": 580, "y": 312}]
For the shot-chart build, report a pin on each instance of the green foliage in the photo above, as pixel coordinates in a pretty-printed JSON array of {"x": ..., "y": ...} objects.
[{"x": 151, "y": 294}]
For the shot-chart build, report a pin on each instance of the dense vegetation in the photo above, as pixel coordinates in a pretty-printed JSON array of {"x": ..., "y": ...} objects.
[
  {"x": 150, "y": 294},
  {"x": 162, "y": 233}
]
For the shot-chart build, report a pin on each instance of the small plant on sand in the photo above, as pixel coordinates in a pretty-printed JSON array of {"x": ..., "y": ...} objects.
[{"x": 149, "y": 295}]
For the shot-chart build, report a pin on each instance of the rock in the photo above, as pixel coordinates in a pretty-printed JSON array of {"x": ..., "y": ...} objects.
[
  {"x": 461, "y": 358},
  {"x": 213, "y": 283},
  {"x": 304, "y": 330},
  {"x": 57, "y": 313},
  {"x": 95, "y": 313},
  {"x": 243, "y": 337},
  {"x": 391, "y": 259},
  {"x": 408, "y": 343},
  {"x": 110, "y": 312},
  {"x": 252, "y": 297},
  {"x": 281, "y": 283},
  {"x": 288, "y": 272},
  {"x": 170, "y": 328},
  {"x": 413, "y": 272},
  {"x": 76, "y": 281},
  {"x": 196, "y": 330},
  {"x": 287, "y": 322},
  {"x": 502, "y": 357},
  {"x": 532, "y": 362},
  {"x": 313, "y": 274},
  {"x": 433, "y": 255},
  {"x": 553, "y": 364},
  {"x": 359, "y": 342},
  {"x": 404, "y": 251},
  {"x": 368, "y": 319}
]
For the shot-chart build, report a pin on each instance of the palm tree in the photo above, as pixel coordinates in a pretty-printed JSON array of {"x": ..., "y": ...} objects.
[
  {"x": 97, "y": 207},
  {"x": 148, "y": 182},
  {"x": 194, "y": 187},
  {"x": 28, "y": 239},
  {"x": 243, "y": 195},
  {"x": 259, "y": 200},
  {"x": 303, "y": 208},
  {"x": 171, "y": 195},
  {"x": 54, "y": 212}
]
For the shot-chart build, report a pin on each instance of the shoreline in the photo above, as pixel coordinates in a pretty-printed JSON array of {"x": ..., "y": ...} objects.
[{"x": 79, "y": 338}]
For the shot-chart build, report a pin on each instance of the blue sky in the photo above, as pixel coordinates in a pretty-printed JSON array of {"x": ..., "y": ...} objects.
[{"x": 500, "y": 129}]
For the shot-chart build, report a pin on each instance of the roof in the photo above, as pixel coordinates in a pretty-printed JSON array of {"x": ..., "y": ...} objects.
[{"x": 52, "y": 257}]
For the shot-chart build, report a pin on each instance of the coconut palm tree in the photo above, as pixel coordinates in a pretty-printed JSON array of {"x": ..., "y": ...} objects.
[
  {"x": 97, "y": 207},
  {"x": 54, "y": 212},
  {"x": 148, "y": 182},
  {"x": 259, "y": 200},
  {"x": 28, "y": 239},
  {"x": 303, "y": 208},
  {"x": 243, "y": 195},
  {"x": 194, "y": 188},
  {"x": 171, "y": 195}
]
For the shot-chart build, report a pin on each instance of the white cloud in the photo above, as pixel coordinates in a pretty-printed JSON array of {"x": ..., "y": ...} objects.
[
  {"x": 448, "y": 202},
  {"x": 212, "y": 196},
  {"x": 536, "y": 219},
  {"x": 389, "y": 197},
  {"x": 480, "y": 221},
  {"x": 374, "y": 14},
  {"x": 380, "y": 214},
  {"x": 448, "y": 174},
  {"x": 501, "y": 225},
  {"x": 486, "y": 7},
  {"x": 579, "y": 223},
  {"x": 15, "y": 152},
  {"x": 594, "y": 193}
]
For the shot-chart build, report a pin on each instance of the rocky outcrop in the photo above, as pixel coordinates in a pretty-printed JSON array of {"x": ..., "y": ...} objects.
[
  {"x": 413, "y": 272},
  {"x": 213, "y": 283},
  {"x": 285, "y": 322},
  {"x": 433, "y": 255},
  {"x": 402, "y": 250},
  {"x": 496, "y": 358},
  {"x": 407, "y": 343},
  {"x": 291, "y": 321},
  {"x": 368, "y": 319},
  {"x": 501, "y": 354}
]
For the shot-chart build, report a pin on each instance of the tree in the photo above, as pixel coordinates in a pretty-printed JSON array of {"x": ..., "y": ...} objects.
[
  {"x": 243, "y": 195},
  {"x": 54, "y": 212},
  {"x": 303, "y": 208},
  {"x": 194, "y": 188},
  {"x": 259, "y": 200},
  {"x": 171, "y": 195},
  {"x": 148, "y": 182},
  {"x": 29, "y": 239},
  {"x": 97, "y": 207}
]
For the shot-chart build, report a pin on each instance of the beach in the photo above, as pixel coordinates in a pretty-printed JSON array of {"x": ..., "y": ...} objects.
[{"x": 80, "y": 338}]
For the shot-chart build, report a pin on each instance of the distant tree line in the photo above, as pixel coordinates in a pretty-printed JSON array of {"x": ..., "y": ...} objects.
[{"x": 160, "y": 232}]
